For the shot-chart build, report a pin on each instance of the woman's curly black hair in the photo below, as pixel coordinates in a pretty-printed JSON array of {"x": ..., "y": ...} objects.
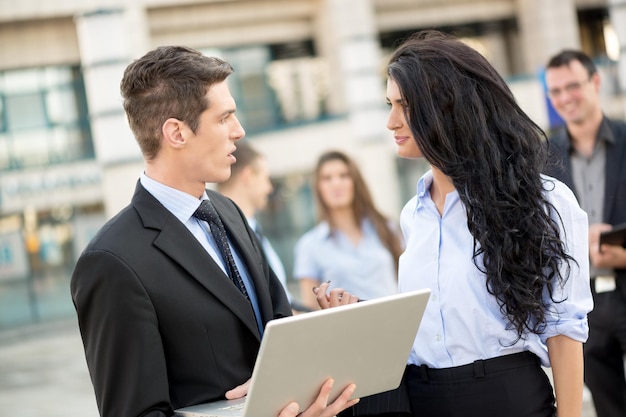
[{"x": 467, "y": 124}]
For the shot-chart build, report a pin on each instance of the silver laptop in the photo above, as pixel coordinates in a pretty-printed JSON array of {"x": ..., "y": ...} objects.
[{"x": 366, "y": 343}]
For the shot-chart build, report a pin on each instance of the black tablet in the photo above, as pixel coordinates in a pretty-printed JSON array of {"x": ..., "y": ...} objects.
[{"x": 615, "y": 236}]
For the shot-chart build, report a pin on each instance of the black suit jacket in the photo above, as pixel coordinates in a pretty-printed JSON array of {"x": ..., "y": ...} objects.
[
  {"x": 163, "y": 327},
  {"x": 560, "y": 167}
]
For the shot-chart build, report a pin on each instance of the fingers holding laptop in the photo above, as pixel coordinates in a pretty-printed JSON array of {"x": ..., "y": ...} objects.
[
  {"x": 239, "y": 391},
  {"x": 321, "y": 408},
  {"x": 333, "y": 298}
]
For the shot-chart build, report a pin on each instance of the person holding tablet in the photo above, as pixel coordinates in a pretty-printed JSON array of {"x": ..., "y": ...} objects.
[{"x": 589, "y": 155}]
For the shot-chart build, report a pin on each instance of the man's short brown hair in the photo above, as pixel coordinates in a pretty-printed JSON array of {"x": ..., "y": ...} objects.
[{"x": 169, "y": 81}]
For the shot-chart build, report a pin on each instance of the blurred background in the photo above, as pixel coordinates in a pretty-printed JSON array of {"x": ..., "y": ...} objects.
[{"x": 309, "y": 76}]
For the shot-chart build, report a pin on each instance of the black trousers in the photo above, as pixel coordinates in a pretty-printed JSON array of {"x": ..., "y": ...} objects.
[
  {"x": 508, "y": 386},
  {"x": 604, "y": 354},
  {"x": 394, "y": 403}
]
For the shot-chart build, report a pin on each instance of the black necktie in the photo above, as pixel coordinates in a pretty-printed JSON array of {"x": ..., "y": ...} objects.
[{"x": 207, "y": 212}]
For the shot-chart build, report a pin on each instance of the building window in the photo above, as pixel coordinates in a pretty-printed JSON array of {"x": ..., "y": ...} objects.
[
  {"x": 276, "y": 86},
  {"x": 38, "y": 250},
  {"x": 25, "y": 111},
  {"x": 43, "y": 118},
  {"x": 291, "y": 211}
]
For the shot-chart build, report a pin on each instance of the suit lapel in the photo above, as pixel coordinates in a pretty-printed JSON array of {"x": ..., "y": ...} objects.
[
  {"x": 175, "y": 240},
  {"x": 563, "y": 150},
  {"x": 236, "y": 225},
  {"x": 614, "y": 156}
]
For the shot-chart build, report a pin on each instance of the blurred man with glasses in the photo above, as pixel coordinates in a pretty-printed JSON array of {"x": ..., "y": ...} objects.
[{"x": 589, "y": 155}]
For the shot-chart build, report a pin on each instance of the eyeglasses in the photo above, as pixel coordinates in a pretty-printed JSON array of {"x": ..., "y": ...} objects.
[{"x": 571, "y": 88}]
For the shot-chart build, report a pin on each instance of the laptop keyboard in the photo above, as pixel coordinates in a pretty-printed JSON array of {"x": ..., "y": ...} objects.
[{"x": 235, "y": 407}]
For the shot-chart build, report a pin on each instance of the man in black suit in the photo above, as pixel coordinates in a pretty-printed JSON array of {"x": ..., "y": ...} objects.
[
  {"x": 590, "y": 157},
  {"x": 167, "y": 320}
]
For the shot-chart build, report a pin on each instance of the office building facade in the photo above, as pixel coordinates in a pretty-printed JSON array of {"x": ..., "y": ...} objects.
[{"x": 309, "y": 76}]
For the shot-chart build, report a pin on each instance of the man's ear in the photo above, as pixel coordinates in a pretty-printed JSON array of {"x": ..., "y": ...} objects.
[
  {"x": 595, "y": 79},
  {"x": 247, "y": 174},
  {"x": 174, "y": 133}
]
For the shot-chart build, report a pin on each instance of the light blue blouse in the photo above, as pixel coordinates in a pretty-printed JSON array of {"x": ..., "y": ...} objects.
[
  {"x": 463, "y": 322},
  {"x": 366, "y": 270}
]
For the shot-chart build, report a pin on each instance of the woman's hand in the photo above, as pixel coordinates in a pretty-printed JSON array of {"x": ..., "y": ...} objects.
[{"x": 336, "y": 296}]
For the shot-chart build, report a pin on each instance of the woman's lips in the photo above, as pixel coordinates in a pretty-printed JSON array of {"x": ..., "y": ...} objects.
[{"x": 400, "y": 139}]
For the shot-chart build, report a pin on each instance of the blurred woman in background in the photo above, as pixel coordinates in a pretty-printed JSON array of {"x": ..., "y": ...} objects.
[{"x": 354, "y": 246}]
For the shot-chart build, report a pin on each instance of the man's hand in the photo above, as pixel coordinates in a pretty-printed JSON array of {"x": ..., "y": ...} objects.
[
  {"x": 321, "y": 408},
  {"x": 238, "y": 391},
  {"x": 336, "y": 297},
  {"x": 605, "y": 256}
]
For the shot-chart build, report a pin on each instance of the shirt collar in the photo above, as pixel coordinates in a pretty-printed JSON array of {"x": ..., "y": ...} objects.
[
  {"x": 324, "y": 228},
  {"x": 424, "y": 183},
  {"x": 252, "y": 223},
  {"x": 423, "y": 192},
  {"x": 605, "y": 133},
  {"x": 179, "y": 203}
]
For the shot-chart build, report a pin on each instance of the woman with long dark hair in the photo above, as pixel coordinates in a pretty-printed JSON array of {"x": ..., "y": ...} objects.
[{"x": 502, "y": 247}]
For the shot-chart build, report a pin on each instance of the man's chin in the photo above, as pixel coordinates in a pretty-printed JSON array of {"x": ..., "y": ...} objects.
[
  {"x": 571, "y": 117},
  {"x": 574, "y": 120},
  {"x": 224, "y": 175}
]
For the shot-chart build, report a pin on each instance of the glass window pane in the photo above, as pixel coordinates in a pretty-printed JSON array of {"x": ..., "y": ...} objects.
[
  {"x": 21, "y": 81},
  {"x": 54, "y": 76},
  {"x": 289, "y": 214},
  {"x": 255, "y": 99},
  {"x": 61, "y": 106},
  {"x": 4, "y": 152},
  {"x": 30, "y": 148},
  {"x": 25, "y": 111},
  {"x": 258, "y": 103},
  {"x": 2, "y": 115},
  {"x": 301, "y": 86},
  {"x": 248, "y": 61},
  {"x": 67, "y": 144},
  {"x": 43, "y": 113}
]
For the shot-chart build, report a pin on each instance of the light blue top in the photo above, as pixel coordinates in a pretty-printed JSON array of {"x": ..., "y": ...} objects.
[
  {"x": 463, "y": 322},
  {"x": 182, "y": 206},
  {"x": 366, "y": 270}
]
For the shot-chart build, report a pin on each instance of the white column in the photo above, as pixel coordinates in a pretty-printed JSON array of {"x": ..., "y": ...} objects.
[
  {"x": 108, "y": 40},
  {"x": 349, "y": 41},
  {"x": 617, "y": 11},
  {"x": 546, "y": 27}
]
